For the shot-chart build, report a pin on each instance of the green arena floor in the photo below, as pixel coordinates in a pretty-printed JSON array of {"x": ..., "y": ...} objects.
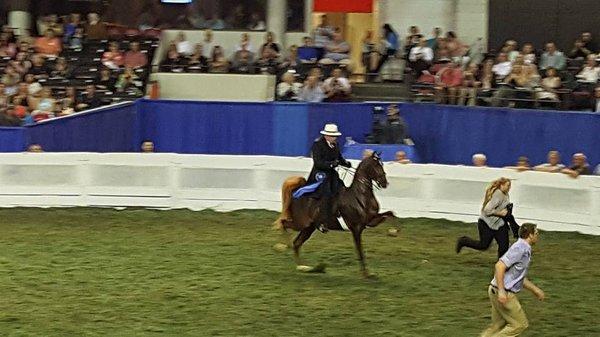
[{"x": 102, "y": 272}]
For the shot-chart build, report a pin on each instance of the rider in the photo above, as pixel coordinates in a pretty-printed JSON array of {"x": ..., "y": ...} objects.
[{"x": 326, "y": 157}]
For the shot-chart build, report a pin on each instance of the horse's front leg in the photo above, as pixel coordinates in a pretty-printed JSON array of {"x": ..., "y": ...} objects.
[{"x": 379, "y": 218}]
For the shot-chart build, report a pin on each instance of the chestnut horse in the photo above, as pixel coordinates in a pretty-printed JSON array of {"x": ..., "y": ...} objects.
[{"x": 356, "y": 204}]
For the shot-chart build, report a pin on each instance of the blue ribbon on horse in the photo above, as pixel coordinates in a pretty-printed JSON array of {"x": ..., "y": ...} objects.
[{"x": 320, "y": 176}]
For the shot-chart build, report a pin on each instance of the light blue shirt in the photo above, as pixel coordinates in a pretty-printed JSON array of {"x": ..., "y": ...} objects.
[{"x": 517, "y": 260}]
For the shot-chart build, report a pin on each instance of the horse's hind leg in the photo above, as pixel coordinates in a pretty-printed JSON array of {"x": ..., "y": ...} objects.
[{"x": 299, "y": 241}]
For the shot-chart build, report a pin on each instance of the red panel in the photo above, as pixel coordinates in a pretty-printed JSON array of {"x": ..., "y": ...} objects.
[{"x": 343, "y": 6}]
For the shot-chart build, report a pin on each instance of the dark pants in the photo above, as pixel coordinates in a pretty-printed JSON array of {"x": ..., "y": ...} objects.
[
  {"x": 486, "y": 235},
  {"x": 384, "y": 58}
]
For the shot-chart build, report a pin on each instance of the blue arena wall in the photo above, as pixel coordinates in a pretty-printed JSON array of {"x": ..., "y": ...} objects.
[{"x": 443, "y": 134}]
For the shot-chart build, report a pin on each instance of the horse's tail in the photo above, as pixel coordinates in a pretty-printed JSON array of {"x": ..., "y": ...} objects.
[{"x": 288, "y": 187}]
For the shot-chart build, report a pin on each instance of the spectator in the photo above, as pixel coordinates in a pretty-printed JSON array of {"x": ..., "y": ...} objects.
[
  {"x": 24, "y": 47},
  {"x": 105, "y": 80},
  {"x": 412, "y": 39},
  {"x": 245, "y": 44},
  {"x": 549, "y": 85},
  {"x": 20, "y": 110},
  {"x": 391, "y": 42},
  {"x": 70, "y": 103},
  {"x": 522, "y": 165},
  {"x": 4, "y": 99},
  {"x": 528, "y": 54},
  {"x": 590, "y": 72},
  {"x": 510, "y": 48},
  {"x": 588, "y": 42},
  {"x": 147, "y": 146},
  {"x": 395, "y": 130},
  {"x": 503, "y": 66},
  {"x": 370, "y": 55},
  {"x": 76, "y": 41},
  {"x": 553, "y": 165},
  {"x": 128, "y": 81},
  {"x": 7, "y": 48},
  {"x": 10, "y": 79},
  {"x": 94, "y": 28},
  {"x": 456, "y": 49},
  {"x": 596, "y": 106},
  {"x": 198, "y": 59},
  {"x": 367, "y": 153},
  {"x": 243, "y": 62},
  {"x": 34, "y": 95},
  {"x": 45, "y": 107},
  {"x": 270, "y": 42},
  {"x": 174, "y": 60},
  {"x": 90, "y": 100},
  {"x": 337, "y": 87},
  {"x": 579, "y": 51},
  {"x": 256, "y": 22},
  {"x": 470, "y": 85},
  {"x": 70, "y": 28},
  {"x": 292, "y": 60},
  {"x": 218, "y": 62},
  {"x": 479, "y": 160},
  {"x": 448, "y": 81},
  {"x": 323, "y": 33},
  {"x": 401, "y": 158},
  {"x": 433, "y": 42},
  {"x": 308, "y": 53},
  {"x": 184, "y": 47},
  {"x": 519, "y": 84},
  {"x": 208, "y": 43},
  {"x": 552, "y": 58},
  {"x": 337, "y": 51},
  {"x": 312, "y": 90},
  {"x": 113, "y": 58},
  {"x": 61, "y": 69},
  {"x": 288, "y": 89},
  {"x": 134, "y": 58},
  {"x": 48, "y": 45},
  {"x": 578, "y": 167},
  {"x": 49, "y": 22},
  {"x": 420, "y": 57},
  {"x": 38, "y": 68},
  {"x": 21, "y": 63},
  {"x": 35, "y": 148},
  {"x": 268, "y": 63}
]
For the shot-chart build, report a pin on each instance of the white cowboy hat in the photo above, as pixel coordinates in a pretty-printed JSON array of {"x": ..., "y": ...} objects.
[{"x": 331, "y": 130}]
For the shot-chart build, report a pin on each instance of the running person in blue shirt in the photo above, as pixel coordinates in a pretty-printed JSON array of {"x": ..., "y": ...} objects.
[{"x": 510, "y": 277}]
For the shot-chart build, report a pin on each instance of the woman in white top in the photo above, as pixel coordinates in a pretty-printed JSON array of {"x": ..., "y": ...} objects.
[
  {"x": 288, "y": 89},
  {"x": 492, "y": 224}
]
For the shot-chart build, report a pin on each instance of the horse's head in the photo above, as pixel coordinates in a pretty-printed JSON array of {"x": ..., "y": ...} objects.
[{"x": 372, "y": 169}]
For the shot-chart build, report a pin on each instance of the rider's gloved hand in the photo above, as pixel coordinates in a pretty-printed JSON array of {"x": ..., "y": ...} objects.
[
  {"x": 346, "y": 164},
  {"x": 335, "y": 163}
]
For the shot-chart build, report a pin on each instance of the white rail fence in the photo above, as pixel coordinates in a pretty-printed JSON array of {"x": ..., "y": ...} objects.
[{"x": 555, "y": 201}]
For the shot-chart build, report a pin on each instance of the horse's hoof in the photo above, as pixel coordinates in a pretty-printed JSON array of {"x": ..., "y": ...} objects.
[
  {"x": 320, "y": 268},
  {"x": 280, "y": 247},
  {"x": 369, "y": 276}
]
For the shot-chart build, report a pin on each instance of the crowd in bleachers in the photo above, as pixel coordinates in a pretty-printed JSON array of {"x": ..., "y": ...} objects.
[
  {"x": 71, "y": 66},
  {"x": 447, "y": 71},
  {"x": 315, "y": 71}
]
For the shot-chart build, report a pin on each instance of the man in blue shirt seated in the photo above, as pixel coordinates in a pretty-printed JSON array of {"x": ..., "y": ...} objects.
[{"x": 510, "y": 277}]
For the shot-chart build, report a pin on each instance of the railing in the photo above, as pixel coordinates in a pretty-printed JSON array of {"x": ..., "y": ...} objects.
[{"x": 554, "y": 201}]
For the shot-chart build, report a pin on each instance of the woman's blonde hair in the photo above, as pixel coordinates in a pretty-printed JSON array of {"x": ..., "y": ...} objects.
[{"x": 489, "y": 191}]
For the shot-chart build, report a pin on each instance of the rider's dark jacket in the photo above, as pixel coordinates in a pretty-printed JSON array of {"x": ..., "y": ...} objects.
[{"x": 326, "y": 158}]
